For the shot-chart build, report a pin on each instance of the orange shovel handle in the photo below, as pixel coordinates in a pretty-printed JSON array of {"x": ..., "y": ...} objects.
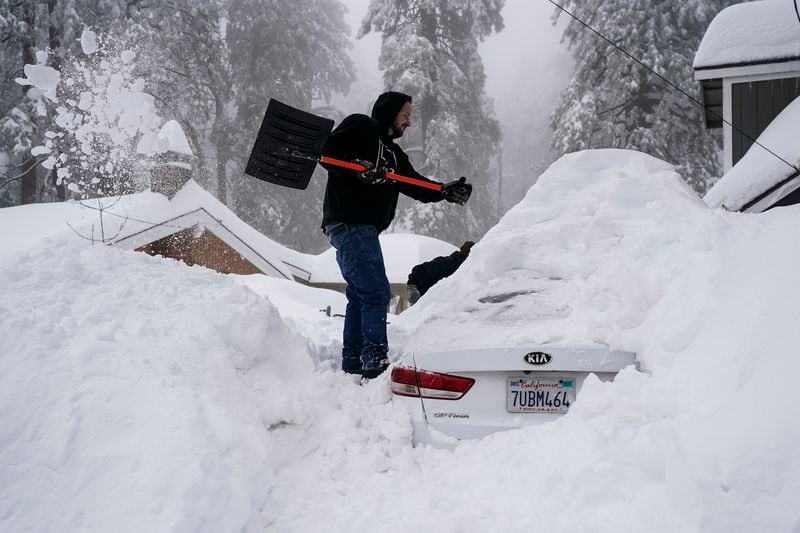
[{"x": 391, "y": 175}]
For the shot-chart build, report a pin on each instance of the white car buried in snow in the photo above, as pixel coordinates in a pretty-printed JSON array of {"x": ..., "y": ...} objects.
[
  {"x": 466, "y": 394},
  {"x": 565, "y": 285}
]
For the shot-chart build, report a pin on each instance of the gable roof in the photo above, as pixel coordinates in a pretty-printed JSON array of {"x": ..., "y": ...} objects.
[
  {"x": 751, "y": 33},
  {"x": 134, "y": 220},
  {"x": 760, "y": 179}
]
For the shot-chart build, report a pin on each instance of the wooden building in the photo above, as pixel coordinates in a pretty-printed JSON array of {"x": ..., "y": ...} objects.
[{"x": 178, "y": 219}]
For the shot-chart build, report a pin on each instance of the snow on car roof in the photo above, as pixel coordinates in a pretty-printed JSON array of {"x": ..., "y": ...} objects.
[
  {"x": 750, "y": 33},
  {"x": 759, "y": 171},
  {"x": 580, "y": 259}
]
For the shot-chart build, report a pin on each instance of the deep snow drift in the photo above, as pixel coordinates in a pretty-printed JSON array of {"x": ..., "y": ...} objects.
[
  {"x": 598, "y": 244},
  {"x": 138, "y": 394}
]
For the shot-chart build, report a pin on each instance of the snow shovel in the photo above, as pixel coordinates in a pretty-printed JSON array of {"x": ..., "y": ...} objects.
[{"x": 289, "y": 146}]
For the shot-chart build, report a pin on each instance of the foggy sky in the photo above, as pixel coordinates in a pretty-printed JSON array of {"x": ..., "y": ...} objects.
[{"x": 524, "y": 63}]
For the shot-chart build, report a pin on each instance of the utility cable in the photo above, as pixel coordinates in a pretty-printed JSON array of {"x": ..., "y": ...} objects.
[
  {"x": 668, "y": 82},
  {"x": 796, "y": 12}
]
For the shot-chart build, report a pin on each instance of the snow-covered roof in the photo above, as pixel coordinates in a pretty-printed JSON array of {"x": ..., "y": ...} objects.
[
  {"x": 751, "y": 33},
  {"x": 401, "y": 253},
  {"x": 758, "y": 172},
  {"x": 134, "y": 220}
]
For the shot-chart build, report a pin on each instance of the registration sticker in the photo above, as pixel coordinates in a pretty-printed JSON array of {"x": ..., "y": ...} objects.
[{"x": 540, "y": 395}]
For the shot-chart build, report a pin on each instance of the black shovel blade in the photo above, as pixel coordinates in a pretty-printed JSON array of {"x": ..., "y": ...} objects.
[{"x": 288, "y": 146}]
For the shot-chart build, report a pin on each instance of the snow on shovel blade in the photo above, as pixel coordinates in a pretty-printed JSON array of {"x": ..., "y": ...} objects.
[{"x": 288, "y": 146}]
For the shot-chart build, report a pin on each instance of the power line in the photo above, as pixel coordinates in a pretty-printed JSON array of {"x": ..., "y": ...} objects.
[{"x": 668, "y": 82}]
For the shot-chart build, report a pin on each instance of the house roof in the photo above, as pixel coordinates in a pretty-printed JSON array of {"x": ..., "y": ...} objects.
[
  {"x": 133, "y": 220},
  {"x": 760, "y": 179},
  {"x": 751, "y": 33},
  {"x": 156, "y": 217}
]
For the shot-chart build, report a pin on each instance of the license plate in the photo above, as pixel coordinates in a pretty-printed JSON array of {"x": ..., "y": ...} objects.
[{"x": 540, "y": 395}]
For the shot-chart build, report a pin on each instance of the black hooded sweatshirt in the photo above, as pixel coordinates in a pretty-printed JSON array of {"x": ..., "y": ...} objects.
[{"x": 350, "y": 200}]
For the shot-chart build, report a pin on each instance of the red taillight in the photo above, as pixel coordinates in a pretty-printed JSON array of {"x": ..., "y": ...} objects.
[{"x": 407, "y": 381}]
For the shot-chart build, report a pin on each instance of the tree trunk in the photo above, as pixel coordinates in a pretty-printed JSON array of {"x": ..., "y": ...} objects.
[
  {"x": 221, "y": 141},
  {"x": 428, "y": 106},
  {"x": 222, "y": 175},
  {"x": 54, "y": 40},
  {"x": 29, "y": 186}
]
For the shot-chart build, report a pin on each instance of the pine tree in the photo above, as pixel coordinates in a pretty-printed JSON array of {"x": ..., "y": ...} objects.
[
  {"x": 189, "y": 74},
  {"x": 430, "y": 51},
  {"x": 612, "y": 102},
  {"x": 210, "y": 64},
  {"x": 18, "y": 33},
  {"x": 28, "y": 30},
  {"x": 216, "y": 65},
  {"x": 295, "y": 52}
]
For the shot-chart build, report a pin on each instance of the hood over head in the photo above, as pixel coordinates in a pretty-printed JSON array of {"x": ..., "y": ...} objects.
[{"x": 386, "y": 108}]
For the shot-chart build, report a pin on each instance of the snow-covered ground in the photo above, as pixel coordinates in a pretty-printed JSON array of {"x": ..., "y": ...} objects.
[{"x": 138, "y": 394}]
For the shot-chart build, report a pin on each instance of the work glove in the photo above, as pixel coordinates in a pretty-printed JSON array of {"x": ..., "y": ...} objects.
[
  {"x": 374, "y": 175},
  {"x": 457, "y": 192}
]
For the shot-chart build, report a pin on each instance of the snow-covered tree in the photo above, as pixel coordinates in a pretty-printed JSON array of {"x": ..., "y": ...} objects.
[
  {"x": 612, "y": 102},
  {"x": 18, "y": 33},
  {"x": 210, "y": 64},
  {"x": 430, "y": 51},
  {"x": 295, "y": 52},
  {"x": 214, "y": 66},
  {"x": 102, "y": 117},
  {"x": 189, "y": 74},
  {"x": 28, "y": 29}
]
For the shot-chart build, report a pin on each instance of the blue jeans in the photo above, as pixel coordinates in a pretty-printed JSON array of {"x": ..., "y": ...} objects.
[{"x": 358, "y": 252}]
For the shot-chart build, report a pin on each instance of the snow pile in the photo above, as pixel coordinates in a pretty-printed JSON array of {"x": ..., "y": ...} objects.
[
  {"x": 613, "y": 247},
  {"x": 584, "y": 257},
  {"x": 751, "y": 32},
  {"x": 316, "y": 314},
  {"x": 138, "y": 394},
  {"x": 759, "y": 171}
]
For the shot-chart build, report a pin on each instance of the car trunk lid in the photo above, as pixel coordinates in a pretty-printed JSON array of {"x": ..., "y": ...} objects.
[{"x": 545, "y": 357}]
